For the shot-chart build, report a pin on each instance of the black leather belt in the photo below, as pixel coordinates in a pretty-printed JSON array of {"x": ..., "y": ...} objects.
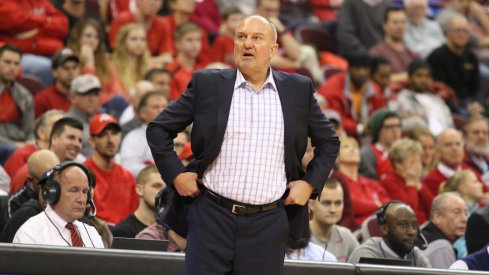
[{"x": 239, "y": 208}]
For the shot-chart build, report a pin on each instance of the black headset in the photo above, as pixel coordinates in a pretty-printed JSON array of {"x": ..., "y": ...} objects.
[
  {"x": 161, "y": 200},
  {"x": 52, "y": 189},
  {"x": 380, "y": 214}
]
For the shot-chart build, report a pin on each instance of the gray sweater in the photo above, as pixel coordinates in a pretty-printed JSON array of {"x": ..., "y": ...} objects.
[
  {"x": 24, "y": 129},
  {"x": 372, "y": 248}
]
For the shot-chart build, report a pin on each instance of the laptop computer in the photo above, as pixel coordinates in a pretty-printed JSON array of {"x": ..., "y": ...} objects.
[
  {"x": 140, "y": 244},
  {"x": 381, "y": 261}
]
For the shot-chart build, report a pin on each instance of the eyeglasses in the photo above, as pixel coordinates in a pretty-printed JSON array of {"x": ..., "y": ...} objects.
[
  {"x": 459, "y": 30},
  {"x": 392, "y": 127}
]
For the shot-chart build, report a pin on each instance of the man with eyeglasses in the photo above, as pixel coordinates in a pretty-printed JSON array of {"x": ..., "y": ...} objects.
[
  {"x": 65, "y": 67},
  {"x": 384, "y": 128},
  {"x": 476, "y": 138}
]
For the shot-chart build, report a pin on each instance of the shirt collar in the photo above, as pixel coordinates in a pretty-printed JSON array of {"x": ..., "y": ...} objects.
[
  {"x": 55, "y": 218},
  {"x": 388, "y": 250},
  {"x": 445, "y": 170},
  {"x": 240, "y": 80}
]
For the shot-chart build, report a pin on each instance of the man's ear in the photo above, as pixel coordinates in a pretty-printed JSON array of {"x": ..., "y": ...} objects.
[
  {"x": 384, "y": 228},
  {"x": 139, "y": 190}
]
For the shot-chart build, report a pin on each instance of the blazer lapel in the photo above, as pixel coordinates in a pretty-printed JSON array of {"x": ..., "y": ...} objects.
[{"x": 288, "y": 109}]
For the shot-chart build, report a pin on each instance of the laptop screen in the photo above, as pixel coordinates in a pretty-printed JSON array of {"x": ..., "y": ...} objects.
[{"x": 140, "y": 244}]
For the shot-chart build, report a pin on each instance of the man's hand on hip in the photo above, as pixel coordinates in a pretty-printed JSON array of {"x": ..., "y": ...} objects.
[
  {"x": 186, "y": 184},
  {"x": 299, "y": 192}
]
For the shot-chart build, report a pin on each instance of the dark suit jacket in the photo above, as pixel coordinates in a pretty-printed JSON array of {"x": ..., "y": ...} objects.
[{"x": 206, "y": 103}]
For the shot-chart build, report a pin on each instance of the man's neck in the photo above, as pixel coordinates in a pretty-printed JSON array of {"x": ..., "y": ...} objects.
[
  {"x": 454, "y": 49},
  {"x": 180, "y": 18},
  {"x": 76, "y": 9},
  {"x": 144, "y": 19},
  {"x": 41, "y": 144},
  {"x": 256, "y": 80},
  {"x": 394, "y": 43},
  {"x": 103, "y": 162},
  {"x": 144, "y": 214},
  {"x": 323, "y": 232},
  {"x": 186, "y": 62},
  {"x": 401, "y": 253},
  {"x": 351, "y": 170},
  {"x": 62, "y": 88}
]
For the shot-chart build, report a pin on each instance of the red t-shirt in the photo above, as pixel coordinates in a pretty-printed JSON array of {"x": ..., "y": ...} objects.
[
  {"x": 19, "y": 179},
  {"x": 50, "y": 98},
  {"x": 223, "y": 50},
  {"x": 115, "y": 192},
  {"x": 9, "y": 112},
  {"x": 180, "y": 78},
  {"x": 159, "y": 36},
  {"x": 18, "y": 159}
]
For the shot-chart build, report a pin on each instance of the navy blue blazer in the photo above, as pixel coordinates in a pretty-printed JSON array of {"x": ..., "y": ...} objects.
[{"x": 206, "y": 104}]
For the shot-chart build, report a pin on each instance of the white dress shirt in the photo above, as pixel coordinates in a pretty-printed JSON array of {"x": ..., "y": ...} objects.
[
  {"x": 48, "y": 228},
  {"x": 135, "y": 152},
  {"x": 250, "y": 166}
]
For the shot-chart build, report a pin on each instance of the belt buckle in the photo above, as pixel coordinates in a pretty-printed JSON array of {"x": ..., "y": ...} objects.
[{"x": 235, "y": 207}]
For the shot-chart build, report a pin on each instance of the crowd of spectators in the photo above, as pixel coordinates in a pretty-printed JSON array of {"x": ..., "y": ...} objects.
[{"x": 406, "y": 87}]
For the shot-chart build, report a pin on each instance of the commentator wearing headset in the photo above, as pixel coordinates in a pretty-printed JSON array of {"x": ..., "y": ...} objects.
[
  {"x": 400, "y": 228},
  {"x": 67, "y": 193}
]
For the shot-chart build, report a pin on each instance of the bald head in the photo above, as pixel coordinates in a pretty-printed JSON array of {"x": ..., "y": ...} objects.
[
  {"x": 271, "y": 26},
  {"x": 141, "y": 88},
  {"x": 450, "y": 148},
  {"x": 38, "y": 163}
]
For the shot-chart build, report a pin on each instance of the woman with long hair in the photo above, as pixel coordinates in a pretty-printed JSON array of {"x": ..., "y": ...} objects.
[
  {"x": 87, "y": 40},
  {"x": 131, "y": 57}
]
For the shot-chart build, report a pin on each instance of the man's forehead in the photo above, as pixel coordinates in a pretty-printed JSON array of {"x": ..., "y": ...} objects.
[{"x": 254, "y": 23}]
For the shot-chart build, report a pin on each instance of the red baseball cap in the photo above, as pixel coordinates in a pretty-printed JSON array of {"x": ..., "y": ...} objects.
[{"x": 100, "y": 122}]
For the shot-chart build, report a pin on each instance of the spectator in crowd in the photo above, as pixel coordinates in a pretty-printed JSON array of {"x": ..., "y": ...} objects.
[
  {"x": 326, "y": 213},
  {"x": 4, "y": 183},
  {"x": 135, "y": 152},
  {"x": 477, "y": 261},
  {"x": 427, "y": 140},
  {"x": 223, "y": 46},
  {"x": 16, "y": 164},
  {"x": 87, "y": 40},
  {"x": 405, "y": 183},
  {"x": 65, "y": 66},
  {"x": 38, "y": 29},
  {"x": 247, "y": 6},
  {"x": 181, "y": 10},
  {"x": 66, "y": 139},
  {"x": 131, "y": 57},
  {"x": 392, "y": 47},
  {"x": 455, "y": 64},
  {"x": 448, "y": 220},
  {"x": 129, "y": 119},
  {"x": 384, "y": 128},
  {"x": 160, "y": 231},
  {"x": 476, "y": 139},
  {"x": 76, "y": 10},
  {"x": 148, "y": 184},
  {"x": 399, "y": 227},
  {"x": 476, "y": 235},
  {"x": 157, "y": 31},
  {"x": 189, "y": 44},
  {"x": 478, "y": 20},
  {"x": 27, "y": 201},
  {"x": 422, "y": 35},
  {"x": 207, "y": 15},
  {"x": 67, "y": 192},
  {"x": 380, "y": 74},
  {"x": 306, "y": 250},
  {"x": 42, "y": 132},
  {"x": 292, "y": 55},
  {"x": 360, "y": 25},
  {"x": 114, "y": 183},
  {"x": 450, "y": 149},
  {"x": 468, "y": 186},
  {"x": 366, "y": 195},
  {"x": 85, "y": 96},
  {"x": 160, "y": 78},
  {"x": 353, "y": 95},
  {"x": 16, "y": 104},
  {"x": 417, "y": 106}
]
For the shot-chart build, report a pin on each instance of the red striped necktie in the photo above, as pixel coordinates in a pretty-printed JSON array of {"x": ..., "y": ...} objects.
[{"x": 75, "y": 237}]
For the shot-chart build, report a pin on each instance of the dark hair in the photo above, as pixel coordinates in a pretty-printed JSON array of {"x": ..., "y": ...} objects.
[
  {"x": 59, "y": 126},
  {"x": 151, "y": 73},
  {"x": 10, "y": 48},
  {"x": 376, "y": 62},
  {"x": 416, "y": 65},
  {"x": 225, "y": 15},
  {"x": 390, "y": 10},
  {"x": 358, "y": 60},
  {"x": 146, "y": 97},
  {"x": 185, "y": 28}
]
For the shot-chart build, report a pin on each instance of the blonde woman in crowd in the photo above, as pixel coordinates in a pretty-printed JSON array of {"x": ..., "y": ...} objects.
[
  {"x": 427, "y": 140},
  {"x": 87, "y": 40},
  {"x": 131, "y": 57}
]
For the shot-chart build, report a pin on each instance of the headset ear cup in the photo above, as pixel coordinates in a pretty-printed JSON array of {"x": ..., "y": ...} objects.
[{"x": 51, "y": 192}]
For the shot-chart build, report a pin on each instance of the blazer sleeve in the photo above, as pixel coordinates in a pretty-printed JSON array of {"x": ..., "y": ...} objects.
[
  {"x": 325, "y": 142},
  {"x": 161, "y": 132}
]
